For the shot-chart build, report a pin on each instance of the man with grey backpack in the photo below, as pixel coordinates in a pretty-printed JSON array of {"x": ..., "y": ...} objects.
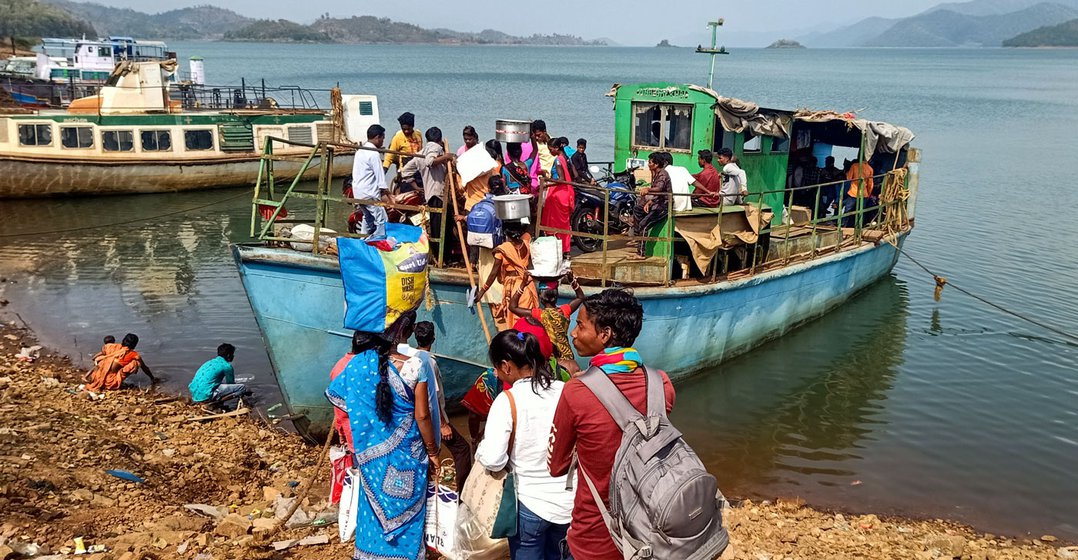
[{"x": 641, "y": 492}]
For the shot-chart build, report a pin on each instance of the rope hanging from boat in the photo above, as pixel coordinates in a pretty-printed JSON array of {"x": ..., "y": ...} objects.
[
  {"x": 942, "y": 281},
  {"x": 131, "y": 221}
]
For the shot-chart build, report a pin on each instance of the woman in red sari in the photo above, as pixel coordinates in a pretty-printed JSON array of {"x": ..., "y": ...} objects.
[{"x": 559, "y": 198}]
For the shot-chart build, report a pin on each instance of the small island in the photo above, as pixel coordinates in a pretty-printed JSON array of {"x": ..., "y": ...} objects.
[
  {"x": 665, "y": 43},
  {"x": 786, "y": 44}
]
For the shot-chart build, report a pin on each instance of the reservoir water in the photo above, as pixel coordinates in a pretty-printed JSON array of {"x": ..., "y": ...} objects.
[{"x": 895, "y": 403}]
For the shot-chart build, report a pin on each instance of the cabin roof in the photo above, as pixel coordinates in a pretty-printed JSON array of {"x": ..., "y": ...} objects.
[{"x": 737, "y": 115}]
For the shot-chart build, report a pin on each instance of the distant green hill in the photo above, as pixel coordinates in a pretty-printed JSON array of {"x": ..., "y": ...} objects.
[
  {"x": 370, "y": 29},
  {"x": 1062, "y": 35},
  {"x": 946, "y": 28},
  {"x": 212, "y": 23},
  {"x": 30, "y": 18},
  {"x": 279, "y": 30},
  {"x": 197, "y": 22},
  {"x": 971, "y": 23}
]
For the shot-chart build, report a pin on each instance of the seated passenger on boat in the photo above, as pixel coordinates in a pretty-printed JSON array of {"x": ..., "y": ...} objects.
[
  {"x": 708, "y": 182},
  {"x": 215, "y": 380},
  {"x": 829, "y": 194},
  {"x": 734, "y": 179},
  {"x": 512, "y": 259},
  {"x": 806, "y": 175},
  {"x": 407, "y": 139},
  {"x": 369, "y": 183},
  {"x": 651, "y": 205},
  {"x": 580, "y": 168},
  {"x": 559, "y": 198},
  {"x": 115, "y": 363}
]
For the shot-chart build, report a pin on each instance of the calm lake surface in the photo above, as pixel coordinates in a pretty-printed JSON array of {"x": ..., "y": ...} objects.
[{"x": 894, "y": 403}]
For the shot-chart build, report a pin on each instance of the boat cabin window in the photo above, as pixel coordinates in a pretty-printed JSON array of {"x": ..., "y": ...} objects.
[
  {"x": 662, "y": 125},
  {"x": 156, "y": 141},
  {"x": 104, "y": 52},
  {"x": 780, "y": 145},
  {"x": 753, "y": 144},
  {"x": 196, "y": 140},
  {"x": 35, "y": 134},
  {"x": 77, "y": 137},
  {"x": 118, "y": 140}
]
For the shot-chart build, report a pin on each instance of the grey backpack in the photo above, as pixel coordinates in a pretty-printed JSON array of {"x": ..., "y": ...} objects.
[{"x": 663, "y": 502}]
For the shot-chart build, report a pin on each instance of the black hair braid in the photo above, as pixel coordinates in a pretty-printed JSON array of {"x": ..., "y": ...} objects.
[{"x": 383, "y": 396}]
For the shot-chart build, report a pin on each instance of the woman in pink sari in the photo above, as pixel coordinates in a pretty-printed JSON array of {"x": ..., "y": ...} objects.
[{"x": 559, "y": 199}]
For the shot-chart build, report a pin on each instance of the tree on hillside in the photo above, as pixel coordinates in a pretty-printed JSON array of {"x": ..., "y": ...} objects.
[{"x": 30, "y": 18}]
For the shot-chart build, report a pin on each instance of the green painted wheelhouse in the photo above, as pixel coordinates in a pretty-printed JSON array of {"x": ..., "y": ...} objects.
[{"x": 681, "y": 119}]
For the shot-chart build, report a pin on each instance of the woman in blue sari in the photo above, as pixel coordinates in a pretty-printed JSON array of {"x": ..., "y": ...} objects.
[{"x": 395, "y": 441}]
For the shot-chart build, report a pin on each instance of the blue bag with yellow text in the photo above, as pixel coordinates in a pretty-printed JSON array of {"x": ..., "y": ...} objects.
[{"x": 383, "y": 279}]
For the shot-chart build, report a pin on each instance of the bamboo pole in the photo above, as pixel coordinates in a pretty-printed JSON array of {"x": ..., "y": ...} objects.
[
  {"x": 454, "y": 187},
  {"x": 606, "y": 232}
]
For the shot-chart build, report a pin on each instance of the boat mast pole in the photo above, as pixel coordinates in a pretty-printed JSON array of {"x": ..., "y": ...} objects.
[{"x": 714, "y": 25}]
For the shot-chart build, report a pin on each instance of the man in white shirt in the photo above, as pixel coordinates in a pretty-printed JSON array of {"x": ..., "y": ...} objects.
[
  {"x": 734, "y": 180},
  {"x": 680, "y": 181},
  {"x": 369, "y": 183}
]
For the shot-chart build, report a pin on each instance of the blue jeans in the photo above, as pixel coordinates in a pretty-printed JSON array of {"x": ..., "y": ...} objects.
[
  {"x": 228, "y": 391},
  {"x": 537, "y": 538},
  {"x": 374, "y": 221}
]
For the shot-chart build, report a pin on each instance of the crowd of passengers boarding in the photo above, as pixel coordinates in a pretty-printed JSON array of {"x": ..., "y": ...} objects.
[{"x": 560, "y": 434}]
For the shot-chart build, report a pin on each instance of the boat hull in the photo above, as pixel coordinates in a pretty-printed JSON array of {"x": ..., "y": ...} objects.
[
  {"x": 298, "y": 301},
  {"x": 42, "y": 177}
]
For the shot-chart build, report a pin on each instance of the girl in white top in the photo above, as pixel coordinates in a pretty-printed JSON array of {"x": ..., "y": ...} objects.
[{"x": 545, "y": 506}]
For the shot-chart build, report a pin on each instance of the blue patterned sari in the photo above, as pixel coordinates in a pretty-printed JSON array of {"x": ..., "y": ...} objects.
[{"x": 391, "y": 458}]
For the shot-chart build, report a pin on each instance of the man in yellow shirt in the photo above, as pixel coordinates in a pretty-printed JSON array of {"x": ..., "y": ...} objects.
[{"x": 407, "y": 140}]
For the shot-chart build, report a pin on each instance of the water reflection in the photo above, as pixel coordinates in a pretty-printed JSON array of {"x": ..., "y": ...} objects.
[
  {"x": 171, "y": 280},
  {"x": 800, "y": 409}
]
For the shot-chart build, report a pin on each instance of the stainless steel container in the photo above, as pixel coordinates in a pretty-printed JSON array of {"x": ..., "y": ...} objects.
[
  {"x": 512, "y": 206},
  {"x": 512, "y": 131}
]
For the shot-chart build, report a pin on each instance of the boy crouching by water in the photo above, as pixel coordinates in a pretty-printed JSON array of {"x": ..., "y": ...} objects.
[{"x": 215, "y": 382}]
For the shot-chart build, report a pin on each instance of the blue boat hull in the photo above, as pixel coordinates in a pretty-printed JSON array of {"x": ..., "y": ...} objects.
[{"x": 298, "y": 301}]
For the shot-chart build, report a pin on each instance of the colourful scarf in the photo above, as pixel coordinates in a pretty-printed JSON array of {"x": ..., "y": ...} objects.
[{"x": 617, "y": 360}]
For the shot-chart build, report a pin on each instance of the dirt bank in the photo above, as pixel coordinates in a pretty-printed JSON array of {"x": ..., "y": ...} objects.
[{"x": 57, "y": 442}]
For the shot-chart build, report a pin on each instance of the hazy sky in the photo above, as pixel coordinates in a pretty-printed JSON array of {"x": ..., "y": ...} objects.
[{"x": 629, "y": 22}]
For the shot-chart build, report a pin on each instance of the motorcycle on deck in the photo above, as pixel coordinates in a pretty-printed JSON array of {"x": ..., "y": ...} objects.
[{"x": 589, "y": 213}]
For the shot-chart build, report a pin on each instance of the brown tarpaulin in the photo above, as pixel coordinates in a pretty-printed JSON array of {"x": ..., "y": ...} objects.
[{"x": 706, "y": 235}]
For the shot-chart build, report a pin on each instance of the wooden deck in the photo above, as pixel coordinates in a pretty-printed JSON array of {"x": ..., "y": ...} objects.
[{"x": 620, "y": 266}]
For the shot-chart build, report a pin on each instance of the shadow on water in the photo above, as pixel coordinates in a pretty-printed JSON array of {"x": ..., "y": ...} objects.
[{"x": 797, "y": 411}]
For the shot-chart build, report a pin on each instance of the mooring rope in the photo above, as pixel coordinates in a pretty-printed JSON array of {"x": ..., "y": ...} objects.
[
  {"x": 128, "y": 222},
  {"x": 942, "y": 281}
]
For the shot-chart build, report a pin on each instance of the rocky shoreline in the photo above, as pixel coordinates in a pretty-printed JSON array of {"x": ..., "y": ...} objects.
[{"x": 218, "y": 489}]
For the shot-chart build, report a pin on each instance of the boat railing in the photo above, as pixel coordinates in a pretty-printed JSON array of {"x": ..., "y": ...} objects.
[
  {"x": 818, "y": 232},
  {"x": 871, "y": 219},
  {"x": 269, "y": 209},
  {"x": 191, "y": 96}
]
